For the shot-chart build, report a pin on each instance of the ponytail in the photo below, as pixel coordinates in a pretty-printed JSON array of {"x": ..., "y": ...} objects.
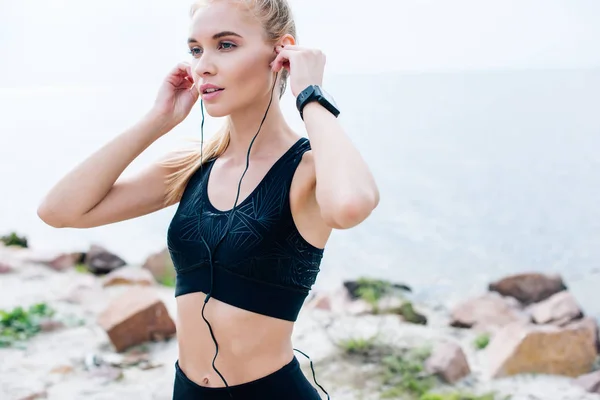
[{"x": 186, "y": 162}]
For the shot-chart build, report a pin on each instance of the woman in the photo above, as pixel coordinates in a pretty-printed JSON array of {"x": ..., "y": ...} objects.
[{"x": 256, "y": 204}]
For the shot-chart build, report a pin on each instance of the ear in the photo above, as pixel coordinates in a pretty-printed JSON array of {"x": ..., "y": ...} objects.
[{"x": 287, "y": 39}]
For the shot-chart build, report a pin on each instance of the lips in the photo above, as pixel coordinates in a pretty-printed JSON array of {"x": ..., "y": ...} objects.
[{"x": 208, "y": 88}]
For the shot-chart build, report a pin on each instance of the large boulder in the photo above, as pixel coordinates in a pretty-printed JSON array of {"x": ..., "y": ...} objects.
[
  {"x": 135, "y": 317},
  {"x": 100, "y": 261},
  {"x": 543, "y": 349},
  {"x": 590, "y": 382},
  {"x": 488, "y": 313},
  {"x": 529, "y": 288},
  {"x": 559, "y": 309},
  {"x": 160, "y": 266}
]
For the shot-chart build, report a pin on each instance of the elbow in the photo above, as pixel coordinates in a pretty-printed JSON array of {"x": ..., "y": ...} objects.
[
  {"x": 350, "y": 212},
  {"x": 49, "y": 217}
]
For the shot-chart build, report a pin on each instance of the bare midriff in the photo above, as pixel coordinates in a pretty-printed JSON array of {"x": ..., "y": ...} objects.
[{"x": 251, "y": 345}]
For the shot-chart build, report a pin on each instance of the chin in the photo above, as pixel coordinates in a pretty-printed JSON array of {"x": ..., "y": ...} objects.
[{"x": 217, "y": 110}]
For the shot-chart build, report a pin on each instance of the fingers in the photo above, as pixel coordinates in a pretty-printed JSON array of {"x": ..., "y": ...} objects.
[
  {"x": 182, "y": 70},
  {"x": 282, "y": 60}
]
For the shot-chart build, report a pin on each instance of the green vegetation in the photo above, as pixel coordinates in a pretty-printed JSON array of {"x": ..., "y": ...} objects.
[
  {"x": 21, "y": 324},
  {"x": 82, "y": 268},
  {"x": 402, "y": 371},
  {"x": 14, "y": 240},
  {"x": 357, "y": 346},
  {"x": 404, "y": 374},
  {"x": 482, "y": 341},
  {"x": 167, "y": 280},
  {"x": 458, "y": 396},
  {"x": 407, "y": 311},
  {"x": 372, "y": 290}
]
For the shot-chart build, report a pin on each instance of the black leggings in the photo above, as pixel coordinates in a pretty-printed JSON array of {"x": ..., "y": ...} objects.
[{"x": 288, "y": 383}]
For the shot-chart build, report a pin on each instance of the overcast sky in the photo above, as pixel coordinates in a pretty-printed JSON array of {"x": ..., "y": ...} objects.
[{"x": 79, "y": 43}]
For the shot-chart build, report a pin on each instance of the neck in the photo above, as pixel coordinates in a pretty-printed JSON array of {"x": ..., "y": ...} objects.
[{"x": 244, "y": 125}]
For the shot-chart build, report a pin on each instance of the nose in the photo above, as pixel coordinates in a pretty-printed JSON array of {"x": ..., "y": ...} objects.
[{"x": 205, "y": 65}]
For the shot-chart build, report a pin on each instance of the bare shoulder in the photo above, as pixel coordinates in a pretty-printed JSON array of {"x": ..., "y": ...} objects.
[
  {"x": 303, "y": 201},
  {"x": 306, "y": 172}
]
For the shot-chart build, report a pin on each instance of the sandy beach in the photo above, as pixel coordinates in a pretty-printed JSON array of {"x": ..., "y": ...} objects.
[{"x": 78, "y": 360}]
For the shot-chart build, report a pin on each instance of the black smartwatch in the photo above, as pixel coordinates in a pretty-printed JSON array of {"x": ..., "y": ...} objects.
[{"x": 316, "y": 93}]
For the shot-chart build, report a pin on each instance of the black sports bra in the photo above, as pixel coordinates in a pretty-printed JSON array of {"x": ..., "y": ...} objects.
[{"x": 263, "y": 264}]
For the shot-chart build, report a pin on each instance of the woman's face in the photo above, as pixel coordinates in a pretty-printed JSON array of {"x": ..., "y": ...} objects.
[{"x": 230, "y": 53}]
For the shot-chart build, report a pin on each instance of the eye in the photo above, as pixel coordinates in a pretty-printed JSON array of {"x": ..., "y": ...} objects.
[
  {"x": 195, "y": 51},
  {"x": 227, "y": 45}
]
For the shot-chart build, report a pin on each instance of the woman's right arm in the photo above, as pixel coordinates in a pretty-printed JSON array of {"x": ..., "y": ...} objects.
[{"x": 93, "y": 193}]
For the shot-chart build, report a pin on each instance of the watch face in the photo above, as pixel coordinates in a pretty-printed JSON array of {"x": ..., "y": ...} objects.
[{"x": 328, "y": 97}]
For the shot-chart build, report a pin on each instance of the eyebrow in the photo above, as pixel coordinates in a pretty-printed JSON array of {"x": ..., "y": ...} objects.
[{"x": 217, "y": 36}]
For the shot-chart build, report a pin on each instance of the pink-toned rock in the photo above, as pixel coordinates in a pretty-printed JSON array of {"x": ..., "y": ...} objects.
[
  {"x": 543, "y": 349},
  {"x": 339, "y": 302},
  {"x": 64, "y": 261},
  {"x": 321, "y": 301},
  {"x": 55, "y": 260},
  {"x": 50, "y": 325},
  {"x": 135, "y": 317},
  {"x": 529, "y": 288},
  {"x": 130, "y": 275},
  {"x": 590, "y": 382},
  {"x": 488, "y": 313},
  {"x": 160, "y": 265},
  {"x": 5, "y": 268},
  {"x": 448, "y": 361},
  {"x": 591, "y": 325},
  {"x": 558, "y": 309},
  {"x": 100, "y": 261}
]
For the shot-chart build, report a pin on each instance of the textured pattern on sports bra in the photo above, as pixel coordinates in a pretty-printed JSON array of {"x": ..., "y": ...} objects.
[{"x": 263, "y": 242}]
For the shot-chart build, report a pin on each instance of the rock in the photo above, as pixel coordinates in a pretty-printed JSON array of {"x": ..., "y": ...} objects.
[
  {"x": 448, "y": 361},
  {"x": 64, "y": 261},
  {"x": 338, "y": 302},
  {"x": 56, "y": 261},
  {"x": 5, "y": 268},
  {"x": 36, "y": 396},
  {"x": 542, "y": 349},
  {"x": 62, "y": 370},
  {"x": 161, "y": 266},
  {"x": 129, "y": 276},
  {"x": 529, "y": 288},
  {"x": 592, "y": 325},
  {"x": 135, "y": 317},
  {"x": 488, "y": 313},
  {"x": 558, "y": 309},
  {"x": 321, "y": 301},
  {"x": 106, "y": 373},
  {"x": 590, "y": 382},
  {"x": 50, "y": 325},
  {"x": 100, "y": 262}
]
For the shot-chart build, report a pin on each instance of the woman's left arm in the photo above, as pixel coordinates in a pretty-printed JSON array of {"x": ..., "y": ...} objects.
[{"x": 346, "y": 190}]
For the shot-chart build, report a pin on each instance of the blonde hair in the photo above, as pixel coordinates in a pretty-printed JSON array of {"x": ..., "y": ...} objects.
[{"x": 277, "y": 19}]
